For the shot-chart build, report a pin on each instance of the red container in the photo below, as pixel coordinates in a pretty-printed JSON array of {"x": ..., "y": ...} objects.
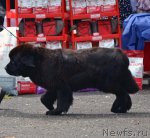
[
  {"x": 26, "y": 87},
  {"x": 93, "y": 9},
  {"x": 49, "y": 27},
  {"x": 84, "y": 28},
  {"x": 54, "y": 9},
  {"x": 29, "y": 29},
  {"x": 147, "y": 57},
  {"x": 77, "y": 11},
  {"x": 108, "y": 8},
  {"x": 104, "y": 27},
  {"x": 25, "y": 10},
  {"x": 39, "y": 10}
]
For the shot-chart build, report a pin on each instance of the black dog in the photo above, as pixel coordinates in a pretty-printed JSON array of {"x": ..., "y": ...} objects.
[{"x": 63, "y": 71}]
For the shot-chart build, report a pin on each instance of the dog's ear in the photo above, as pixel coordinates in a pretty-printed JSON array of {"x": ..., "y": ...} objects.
[{"x": 28, "y": 61}]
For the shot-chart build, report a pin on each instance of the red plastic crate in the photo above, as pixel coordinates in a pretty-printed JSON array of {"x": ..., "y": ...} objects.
[
  {"x": 93, "y": 9},
  {"x": 147, "y": 56},
  {"x": 25, "y": 10},
  {"x": 84, "y": 28},
  {"x": 39, "y": 10},
  {"x": 104, "y": 27},
  {"x": 54, "y": 9},
  {"x": 108, "y": 8},
  {"x": 77, "y": 11}
]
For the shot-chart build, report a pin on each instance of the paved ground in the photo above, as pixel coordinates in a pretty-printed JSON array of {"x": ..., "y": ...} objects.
[{"x": 89, "y": 117}]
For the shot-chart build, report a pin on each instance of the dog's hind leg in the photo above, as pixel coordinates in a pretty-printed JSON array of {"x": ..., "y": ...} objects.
[
  {"x": 64, "y": 100},
  {"x": 122, "y": 103},
  {"x": 48, "y": 99}
]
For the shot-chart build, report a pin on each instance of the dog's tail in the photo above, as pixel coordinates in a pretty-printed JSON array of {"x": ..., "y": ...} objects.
[{"x": 130, "y": 83}]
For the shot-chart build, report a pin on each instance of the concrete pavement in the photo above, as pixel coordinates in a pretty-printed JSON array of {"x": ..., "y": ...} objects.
[{"x": 89, "y": 117}]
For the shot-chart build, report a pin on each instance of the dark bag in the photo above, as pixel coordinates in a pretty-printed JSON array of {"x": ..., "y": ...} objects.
[{"x": 114, "y": 25}]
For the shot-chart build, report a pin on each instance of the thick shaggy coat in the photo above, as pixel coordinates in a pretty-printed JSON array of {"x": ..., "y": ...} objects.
[{"x": 63, "y": 71}]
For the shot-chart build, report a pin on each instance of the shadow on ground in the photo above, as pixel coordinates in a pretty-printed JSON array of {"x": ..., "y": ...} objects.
[{"x": 15, "y": 113}]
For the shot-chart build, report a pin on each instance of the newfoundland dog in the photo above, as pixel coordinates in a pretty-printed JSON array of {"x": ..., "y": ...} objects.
[{"x": 63, "y": 71}]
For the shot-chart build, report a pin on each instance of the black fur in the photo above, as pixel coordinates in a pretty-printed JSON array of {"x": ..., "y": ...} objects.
[{"x": 63, "y": 71}]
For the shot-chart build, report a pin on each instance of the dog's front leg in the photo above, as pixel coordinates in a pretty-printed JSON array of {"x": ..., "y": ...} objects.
[
  {"x": 64, "y": 100},
  {"x": 48, "y": 99}
]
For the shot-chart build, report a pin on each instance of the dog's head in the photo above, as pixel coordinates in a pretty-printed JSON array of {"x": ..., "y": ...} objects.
[{"x": 21, "y": 61}]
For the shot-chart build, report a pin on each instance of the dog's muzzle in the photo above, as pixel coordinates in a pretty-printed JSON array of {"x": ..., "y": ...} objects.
[{"x": 10, "y": 71}]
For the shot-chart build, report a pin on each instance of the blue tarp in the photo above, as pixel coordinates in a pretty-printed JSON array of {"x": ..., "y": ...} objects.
[{"x": 136, "y": 30}]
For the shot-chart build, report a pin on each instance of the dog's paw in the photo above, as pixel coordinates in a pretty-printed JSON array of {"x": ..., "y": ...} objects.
[
  {"x": 122, "y": 105},
  {"x": 119, "y": 110},
  {"x": 54, "y": 112}
]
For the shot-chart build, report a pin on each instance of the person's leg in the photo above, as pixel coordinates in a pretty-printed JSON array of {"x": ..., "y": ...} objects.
[
  {"x": 1, "y": 23},
  {"x": 2, "y": 13}
]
